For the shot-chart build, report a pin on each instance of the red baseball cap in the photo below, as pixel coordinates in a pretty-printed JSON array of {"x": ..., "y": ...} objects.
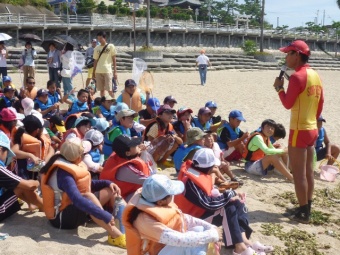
[
  {"x": 299, "y": 46},
  {"x": 8, "y": 115}
]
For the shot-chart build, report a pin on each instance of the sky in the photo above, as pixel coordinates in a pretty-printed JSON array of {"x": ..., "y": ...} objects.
[{"x": 295, "y": 13}]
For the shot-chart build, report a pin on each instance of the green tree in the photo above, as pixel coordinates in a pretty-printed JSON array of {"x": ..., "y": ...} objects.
[
  {"x": 86, "y": 6},
  {"x": 338, "y": 2},
  {"x": 225, "y": 10},
  {"x": 112, "y": 9},
  {"x": 102, "y": 8},
  {"x": 252, "y": 8}
]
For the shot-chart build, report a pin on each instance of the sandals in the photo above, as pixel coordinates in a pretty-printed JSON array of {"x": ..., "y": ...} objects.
[
  {"x": 249, "y": 251},
  {"x": 259, "y": 247},
  {"x": 237, "y": 179},
  {"x": 119, "y": 241}
]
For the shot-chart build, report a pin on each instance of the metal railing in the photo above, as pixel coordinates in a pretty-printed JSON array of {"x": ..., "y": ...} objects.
[{"x": 111, "y": 22}]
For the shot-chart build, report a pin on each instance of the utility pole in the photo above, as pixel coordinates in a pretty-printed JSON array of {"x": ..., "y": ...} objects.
[
  {"x": 148, "y": 24},
  {"x": 277, "y": 21},
  {"x": 323, "y": 18},
  {"x": 262, "y": 26}
]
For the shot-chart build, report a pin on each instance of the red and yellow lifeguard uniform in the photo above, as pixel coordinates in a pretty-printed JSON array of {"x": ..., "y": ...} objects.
[{"x": 305, "y": 99}]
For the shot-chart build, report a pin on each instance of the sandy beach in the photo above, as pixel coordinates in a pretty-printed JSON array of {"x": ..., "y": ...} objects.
[{"x": 253, "y": 94}]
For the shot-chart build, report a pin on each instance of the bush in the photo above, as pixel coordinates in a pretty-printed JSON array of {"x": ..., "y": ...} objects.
[
  {"x": 112, "y": 9},
  {"x": 102, "y": 8},
  {"x": 141, "y": 13},
  {"x": 249, "y": 47}
]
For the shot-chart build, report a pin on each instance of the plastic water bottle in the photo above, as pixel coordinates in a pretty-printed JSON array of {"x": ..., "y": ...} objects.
[
  {"x": 30, "y": 164},
  {"x": 118, "y": 213},
  {"x": 101, "y": 159}
]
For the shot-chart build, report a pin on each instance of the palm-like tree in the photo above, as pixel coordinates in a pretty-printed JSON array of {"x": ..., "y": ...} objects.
[{"x": 338, "y": 2}]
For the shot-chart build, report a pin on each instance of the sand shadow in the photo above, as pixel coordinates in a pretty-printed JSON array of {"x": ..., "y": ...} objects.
[
  {"x": 260, "y": 216},
  {"x": 37, "y": 227}
]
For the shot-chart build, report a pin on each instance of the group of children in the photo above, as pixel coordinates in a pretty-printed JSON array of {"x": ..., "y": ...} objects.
[{"x": 101, "y": 150}]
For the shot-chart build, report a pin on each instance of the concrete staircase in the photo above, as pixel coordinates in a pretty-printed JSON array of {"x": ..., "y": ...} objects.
[{"x": 174, "y": 62}]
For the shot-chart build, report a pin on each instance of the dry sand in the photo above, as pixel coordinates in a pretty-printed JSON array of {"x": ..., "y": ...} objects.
[{"x": 253, "y": 94}]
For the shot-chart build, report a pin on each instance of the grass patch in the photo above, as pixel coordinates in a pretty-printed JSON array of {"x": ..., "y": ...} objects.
[
  {"x": 297, "y": 242},
  {"x": 319, "y": 218}
]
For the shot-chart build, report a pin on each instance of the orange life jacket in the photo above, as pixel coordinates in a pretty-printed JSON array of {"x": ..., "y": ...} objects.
[
  {"x": 74, "y": 131},
  {"x": 167, "y": 215},
  {"x": 161, "y": 131},
  {"x": 113, "y": 163},
  {"x": 10, "y": 134},
  {"x": 33, "y": 94},
  {"x": 81, "y": 176},
  {"x": 203, "y": 181},
  {"x": 38, "y": 147},
  {"x": 254, "y": 155},
  {"x": 134, "y": 102}
]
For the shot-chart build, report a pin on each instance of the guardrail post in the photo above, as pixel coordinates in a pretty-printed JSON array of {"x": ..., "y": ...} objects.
[
  {"x": 44, "y": 20},
  {"x": 19, "y": 21}
]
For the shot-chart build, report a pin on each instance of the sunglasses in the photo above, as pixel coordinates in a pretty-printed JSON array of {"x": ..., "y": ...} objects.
[{"x": 31, "y": 82}]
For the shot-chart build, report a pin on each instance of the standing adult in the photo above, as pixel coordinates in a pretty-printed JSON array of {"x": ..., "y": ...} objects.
[
  {"x": 203, "y": 62},
  {"x": 66, "y": 58},
  {"x": 304, "y": 96},
  {"x": 88, "y": 57},
  {"x": 28, "y": 56},
  {"x": 104, "y": 57},
  {"x": 53, "y": 62},
  {"x": 3, "y": 59}
]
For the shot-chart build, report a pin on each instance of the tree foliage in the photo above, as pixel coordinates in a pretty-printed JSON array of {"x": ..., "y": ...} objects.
[
  {"x": 35, "y": 3},
  {"x": 102, "y": 8},
  {"x": 249, "y": 47},
  {"x": 86, "y": 6}
]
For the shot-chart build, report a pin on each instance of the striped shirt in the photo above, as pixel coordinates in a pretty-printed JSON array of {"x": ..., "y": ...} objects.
[{"x": 8, "y": 180}]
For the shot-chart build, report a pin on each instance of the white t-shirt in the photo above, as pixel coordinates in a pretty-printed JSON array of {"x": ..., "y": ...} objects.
[
  {"x": 202, "y": 60},
  {"x": 3, "y": 58}
]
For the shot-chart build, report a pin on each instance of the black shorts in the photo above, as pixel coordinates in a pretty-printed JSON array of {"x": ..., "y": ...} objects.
[
  {"x": 70, "y": 218},
  {"x": 321, "y": 154},
  {"x": 8, "y": 204}
]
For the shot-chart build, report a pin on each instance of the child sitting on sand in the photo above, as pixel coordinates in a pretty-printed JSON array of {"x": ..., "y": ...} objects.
[
  {"x": 125, "y": 123},
  {"x": 323, "y": 147},
  {"x": 225, "y": 166},
  {"x": 92, "y": 158},
  {"x": 213, "y": 107},
  {"x": 80, "y": 104},
  {"x": 231, "y": 138},
  {"x": 227, "y": 209},
  {"x": 260, "y": 154},
  {"x": 168, "y": 231},
  {"x": 160, "y": 133},
  {"x": 12, "y": 186},
  {"x": 67, "y": 188},
  {"x": 184, "y": 122},
  {"x": 132, "y": 96},
  {"x": 104, "y": 110},
  {"x": 149, "y": 114},
  {"x": 44, "y": 105}
]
